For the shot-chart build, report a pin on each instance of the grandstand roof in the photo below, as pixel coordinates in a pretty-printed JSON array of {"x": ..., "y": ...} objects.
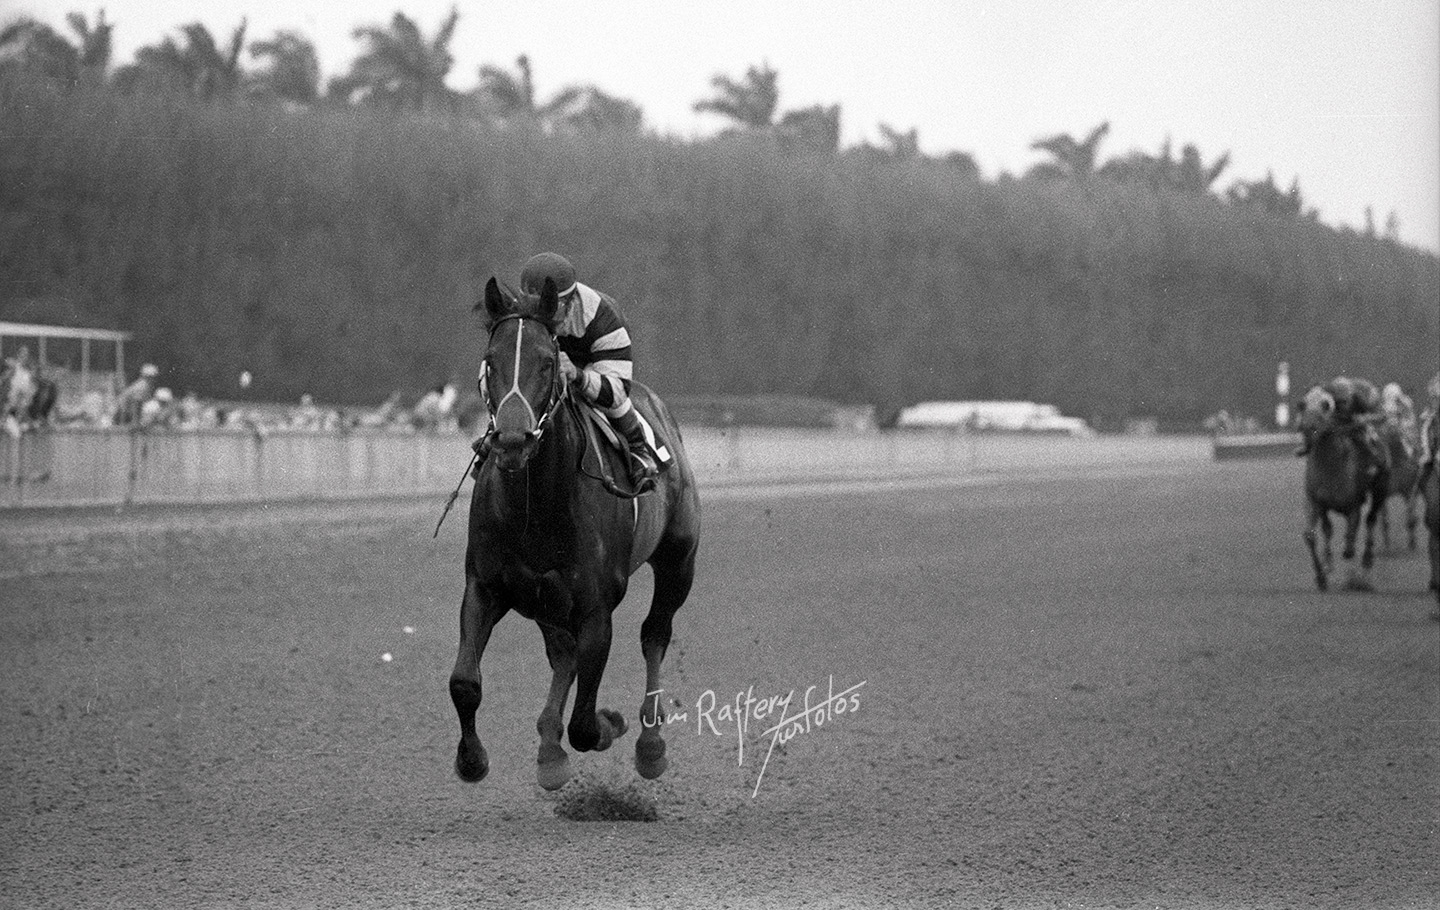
[{"x": 31, "y": 330}]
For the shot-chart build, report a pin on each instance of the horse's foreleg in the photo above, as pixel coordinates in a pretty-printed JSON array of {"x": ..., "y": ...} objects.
[
  {"x": 672, "y": 586},
  {"x": 478, "y": 616},
  {"x": 1377, "y": 508},
  {"x": 1412, "y": 516},
  {"x": 1384, "y": 518},
  {"x": 553, "y": 765},
  {"x": 1315, "y": 517},
  {"x": 590, "y": 728},
  {"x": 1352, "y": 531}
]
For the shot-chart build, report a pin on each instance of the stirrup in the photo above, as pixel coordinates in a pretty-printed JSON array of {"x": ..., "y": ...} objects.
[{"x": 643, "y": 470}]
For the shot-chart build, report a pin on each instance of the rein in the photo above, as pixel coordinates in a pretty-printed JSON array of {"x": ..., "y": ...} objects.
[{"x": 558, "y": 393}]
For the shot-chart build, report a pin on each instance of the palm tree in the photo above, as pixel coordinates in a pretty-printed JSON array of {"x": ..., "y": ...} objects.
[
  {"x": 1265, "y": 195},
  {"x": 400, "y": 67},
  {"x": 1189, "y": 175},
  {"x": 751, "y": 102},
  {"x": 510, "y": 98},
  {"x": 902, "y": 146},
  {"x": 588, "y": 109},
  {"x": 1073, "y": 160},
  {"x": 291, "y": 72},
  {"x": 964, "y": 162},
  {"x": 813, "y": 129},
  {"x": 200, "y": 67},
  {"x": 30, "y": 45}
]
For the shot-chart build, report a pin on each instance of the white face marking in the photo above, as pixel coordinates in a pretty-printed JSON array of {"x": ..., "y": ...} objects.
[{"x": 515, "y": 381}]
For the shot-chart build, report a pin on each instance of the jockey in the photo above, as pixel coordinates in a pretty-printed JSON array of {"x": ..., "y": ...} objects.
[
  {"x": 1398, "y": 408},
  {"x": 1427, "y": 424},
  {"x": 1357, "y": 409},
  {"x": 128, "y": 406},
  {"x": 595, "y": 357}
]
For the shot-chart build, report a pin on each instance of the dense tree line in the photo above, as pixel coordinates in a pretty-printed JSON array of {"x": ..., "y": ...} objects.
[{"x": 336, "y": 247}]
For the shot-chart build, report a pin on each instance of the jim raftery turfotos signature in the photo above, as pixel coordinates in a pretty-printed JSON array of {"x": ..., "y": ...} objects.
[{"x": 734, "y": 716}]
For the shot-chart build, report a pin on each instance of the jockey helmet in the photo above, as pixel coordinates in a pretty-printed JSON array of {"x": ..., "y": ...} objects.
[{"x": 547, "y": 265}]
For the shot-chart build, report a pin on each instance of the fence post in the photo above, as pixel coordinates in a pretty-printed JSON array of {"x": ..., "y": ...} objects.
[{"x": 137, "y": 454}]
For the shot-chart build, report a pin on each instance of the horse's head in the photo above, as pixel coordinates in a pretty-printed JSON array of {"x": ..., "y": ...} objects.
[
  {"x": 521, "y": 381},
  {"x": 1316, "y": 411}
]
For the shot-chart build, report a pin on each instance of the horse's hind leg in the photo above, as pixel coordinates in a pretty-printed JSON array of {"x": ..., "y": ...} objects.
[
  {"x": 674, "y": 565},
  {"x": 553, "y": 765},
  {"x": 478, "y": 616}
]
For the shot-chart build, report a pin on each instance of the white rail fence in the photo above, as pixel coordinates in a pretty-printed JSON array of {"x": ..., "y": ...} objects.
[{"x": 89, "y": 467}]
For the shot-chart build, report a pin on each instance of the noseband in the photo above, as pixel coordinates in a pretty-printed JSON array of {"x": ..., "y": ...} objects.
[{"x": 543, "y": 418}]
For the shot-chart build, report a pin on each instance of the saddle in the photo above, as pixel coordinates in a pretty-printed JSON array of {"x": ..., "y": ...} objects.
[{"x": 606, "y": 454}]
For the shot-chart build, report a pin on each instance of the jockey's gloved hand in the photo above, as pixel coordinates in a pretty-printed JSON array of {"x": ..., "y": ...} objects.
[{"x": 568, "y": 371}]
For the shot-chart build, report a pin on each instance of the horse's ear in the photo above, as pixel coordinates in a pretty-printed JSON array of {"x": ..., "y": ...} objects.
[
  {"x": 495, "y": 302},
  {"x": 549, "y": 301}
]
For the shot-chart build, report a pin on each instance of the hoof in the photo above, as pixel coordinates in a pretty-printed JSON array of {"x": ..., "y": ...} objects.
[
  {"x": 1359, "y": 583},
  {"x": 471, "y": 763},
  {"x": 617, "y": 723},
  {"x": 650, "y": 760},
  {"x": 553, "y": 775}
]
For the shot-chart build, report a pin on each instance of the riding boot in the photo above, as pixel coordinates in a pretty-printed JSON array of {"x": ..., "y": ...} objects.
[{"x": 643, "y": 469}]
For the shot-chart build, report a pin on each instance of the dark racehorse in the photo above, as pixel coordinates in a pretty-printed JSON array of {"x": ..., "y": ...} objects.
[
  {"x": 548, "y": 541},
  {"x": 1430, "y": 489},
  {"x": 1340, "y": 476},
  {"x": 1404, "y": 481}
]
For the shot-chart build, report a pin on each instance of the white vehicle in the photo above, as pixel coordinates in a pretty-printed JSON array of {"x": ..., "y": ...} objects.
[{"x": 1003, "y": 416}]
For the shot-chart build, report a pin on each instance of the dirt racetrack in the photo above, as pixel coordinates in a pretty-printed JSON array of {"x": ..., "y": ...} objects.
[{"x": 1086, "y": 688}]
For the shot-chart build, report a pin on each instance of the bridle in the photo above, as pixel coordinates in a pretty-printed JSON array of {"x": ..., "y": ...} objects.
[{"x": 542, "y": 419}]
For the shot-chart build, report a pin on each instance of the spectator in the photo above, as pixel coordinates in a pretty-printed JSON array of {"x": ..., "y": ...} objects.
[
  {"x": 307, "y": 416},
  {"x": 159, "y": 411},
  {"x": 189, "y": 413},
  {"x": 132, "y": 400}
]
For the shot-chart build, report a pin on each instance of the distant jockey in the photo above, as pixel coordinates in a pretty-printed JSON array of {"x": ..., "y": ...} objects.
[
  {"x": 1398, "y": 407},
  {"x": 1353, "y": 405},
  {"x": 1427, "y": 426},
  {"x": 596, "y": 358}
]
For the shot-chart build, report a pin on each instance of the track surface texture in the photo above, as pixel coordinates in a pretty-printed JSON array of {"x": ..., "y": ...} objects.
[{"x": 1081, "y": 689}]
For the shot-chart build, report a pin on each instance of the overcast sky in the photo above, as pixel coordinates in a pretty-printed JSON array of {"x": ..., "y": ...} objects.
[{"x": 1344, "y": 94}]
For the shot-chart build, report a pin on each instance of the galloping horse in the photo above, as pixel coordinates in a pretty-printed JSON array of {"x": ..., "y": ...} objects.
[
  {"x": 1339, "y": 477},
  {"x": 26, "y": 397},
  {"x": 1430, "y": 489},
  {"x": 549, "y": 541},
  {"x": 1404, "y": 480}
]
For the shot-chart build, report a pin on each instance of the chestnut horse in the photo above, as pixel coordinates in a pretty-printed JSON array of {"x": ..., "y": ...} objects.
[{"x": 549, "y": 541}]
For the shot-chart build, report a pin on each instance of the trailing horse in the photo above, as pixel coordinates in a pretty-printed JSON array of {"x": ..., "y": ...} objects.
[
  {"x": 548, "y": 540},
  {"x": 1430, "y": 490},
  {"x": 1341, "y": 477},
  {"x": 27, "y": 399},
  {"x": 1404, "y": 481}
]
